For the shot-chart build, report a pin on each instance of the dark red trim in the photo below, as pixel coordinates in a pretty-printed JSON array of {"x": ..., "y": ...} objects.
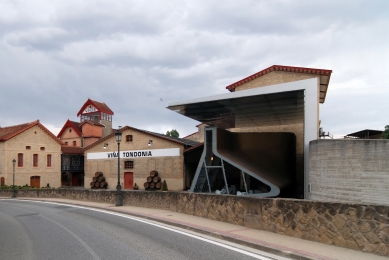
[
  {"x": 72, "y": 125},
  {"x": 101, "y": 107},
  {"x": 278, "y": 68}
]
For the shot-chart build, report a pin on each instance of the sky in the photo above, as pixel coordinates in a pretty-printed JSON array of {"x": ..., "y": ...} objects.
[{"x": 140, "y": 56}]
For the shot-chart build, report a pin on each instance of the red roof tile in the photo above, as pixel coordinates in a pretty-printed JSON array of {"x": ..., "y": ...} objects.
[
  {"x": 279, "y": 68},
  {"x": 102, "y": 107},
  {"x": 74, "y": 125},
  {"x": 91, "y": 123},
  {"x": 9, "y": 132},
  {"x": 71, "y": 150}
]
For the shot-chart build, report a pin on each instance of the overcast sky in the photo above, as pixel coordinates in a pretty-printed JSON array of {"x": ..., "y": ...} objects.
[{"x": 139, "y": 56}]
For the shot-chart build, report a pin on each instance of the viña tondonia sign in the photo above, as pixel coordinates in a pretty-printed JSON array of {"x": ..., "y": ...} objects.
[{"x": 135, "y": 154}]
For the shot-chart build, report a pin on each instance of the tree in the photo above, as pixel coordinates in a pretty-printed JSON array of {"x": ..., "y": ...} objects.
[
  {"x": 172, "y": 133},
  {"x": 385, "y": 134}
]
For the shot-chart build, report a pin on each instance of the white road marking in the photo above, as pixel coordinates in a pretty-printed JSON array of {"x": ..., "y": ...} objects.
[
  {"x": 257, "y": 256},
  {"x": 85, "y": 245}
]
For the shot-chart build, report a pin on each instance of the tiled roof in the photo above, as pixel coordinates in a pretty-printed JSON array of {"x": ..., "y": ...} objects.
[
  {"x": 71, "y": 150},
  {"x": 91, "y": 123},
  {"x": 181, "y": 141},
  {"x": 279, "y": 68},
  {"x": 9, "y": 132},
  {"x": 102, "y": 107},
  {"x": 74, "y": 125}
]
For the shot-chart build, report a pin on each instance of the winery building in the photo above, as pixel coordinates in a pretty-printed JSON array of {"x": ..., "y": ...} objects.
[
  {"x": 37, "y": 155},
  {"x": 140, "y": 153}
]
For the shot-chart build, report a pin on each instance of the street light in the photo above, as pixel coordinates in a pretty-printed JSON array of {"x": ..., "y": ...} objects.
[
  {"x": 119, "y": 199},
  {"x": 13, "y": 179}
]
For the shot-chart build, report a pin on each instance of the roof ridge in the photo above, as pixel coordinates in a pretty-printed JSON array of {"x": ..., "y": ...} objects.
[{"x": 278, "y": 68}]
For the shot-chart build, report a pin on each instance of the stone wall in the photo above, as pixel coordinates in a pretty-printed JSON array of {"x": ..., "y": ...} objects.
[
  {"x": 363, "y": 227},
  {"x": 355, "y": 171}
]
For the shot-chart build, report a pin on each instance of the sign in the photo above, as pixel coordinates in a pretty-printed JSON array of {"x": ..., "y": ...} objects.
[
  {"x": 135, "y": 154},
  {"x": 90, "y": 109}
]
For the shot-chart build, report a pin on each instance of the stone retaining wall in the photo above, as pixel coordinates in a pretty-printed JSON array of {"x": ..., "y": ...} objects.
[{"x": 361, "y": 227}]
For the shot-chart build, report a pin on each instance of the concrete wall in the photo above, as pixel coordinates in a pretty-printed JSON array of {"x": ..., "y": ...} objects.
[
  {"x": 363, "y": 227},
  {"x": 170, "y": 168},
  {"x": 36, "y": 138},
  {"x": 298, "y": 130},
  {"x": 350, "y": 170}
]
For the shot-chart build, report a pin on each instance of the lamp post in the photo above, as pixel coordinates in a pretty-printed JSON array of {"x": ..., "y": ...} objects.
[
  {"x": 13, "y": 179},
  {"x": 119, "y": 199}
]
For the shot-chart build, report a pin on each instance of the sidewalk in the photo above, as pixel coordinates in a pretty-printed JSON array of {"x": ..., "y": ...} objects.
[{"x": 277, "y": 244}]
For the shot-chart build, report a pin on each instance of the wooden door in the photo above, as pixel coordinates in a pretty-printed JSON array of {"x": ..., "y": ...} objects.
[
  {"x": 74, "y": 179},
  {"x": 2, "y": 181},
  {"x": 128, "y": 180},
  {"x": 35, "y": 181}
]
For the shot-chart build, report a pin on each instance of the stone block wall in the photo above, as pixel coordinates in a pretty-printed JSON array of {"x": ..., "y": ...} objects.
[
  {"x": 363, "y": 227},
  {"x": 355, "y": 171}
]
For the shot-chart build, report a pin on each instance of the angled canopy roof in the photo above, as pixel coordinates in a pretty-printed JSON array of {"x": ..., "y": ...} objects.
[
  {"x": 265, "y": 106},
  {"x": 324, "y": 77},
  {"x": 9, "y": 132},
  {"x": 101, "y": 107}
]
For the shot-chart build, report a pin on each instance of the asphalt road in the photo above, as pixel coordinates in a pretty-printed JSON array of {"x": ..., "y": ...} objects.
[{"x": 37, "y": 230}]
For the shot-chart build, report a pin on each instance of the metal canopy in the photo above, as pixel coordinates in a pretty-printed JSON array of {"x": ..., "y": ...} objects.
[{"x": 263, "y": 109}]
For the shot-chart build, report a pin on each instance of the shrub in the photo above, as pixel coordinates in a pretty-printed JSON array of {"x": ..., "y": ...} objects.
[{"x": 164, "y": 186}]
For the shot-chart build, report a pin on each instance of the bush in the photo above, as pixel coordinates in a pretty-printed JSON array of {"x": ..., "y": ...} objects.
[{"x": 164, "y": 186}]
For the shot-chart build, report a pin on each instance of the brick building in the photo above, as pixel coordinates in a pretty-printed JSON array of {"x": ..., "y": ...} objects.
[
  {"x": 140, "y": 153},
  {"x": 37, "y": 153}
]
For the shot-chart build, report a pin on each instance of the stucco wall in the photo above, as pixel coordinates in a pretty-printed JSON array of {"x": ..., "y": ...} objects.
[
  {"x": 170, "y": 168},
  {"x": 36, "y": 138},
  {"x": 363, "y": 227},
  {"x": 350, "y": 170}
]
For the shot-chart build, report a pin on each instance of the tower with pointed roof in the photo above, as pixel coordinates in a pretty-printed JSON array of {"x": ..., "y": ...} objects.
[{"x": 97, "y": 112}]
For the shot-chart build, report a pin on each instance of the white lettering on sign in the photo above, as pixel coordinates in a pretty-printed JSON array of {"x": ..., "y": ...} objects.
[
  {"x": 90, "y": 109},
  {"x": 135, "y": 154}
]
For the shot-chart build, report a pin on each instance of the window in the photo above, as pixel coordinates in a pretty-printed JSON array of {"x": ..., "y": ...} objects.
[
  {"x": 74, "y": 143},
  {"x": 42, "y": 148},
  {"x": 20, "y": 160},
  {"x": 35, "y": 160},
  {"x": 128, "y": 138},
  {"x": 28, "y": 147},
  {"x": 66, "y": 143},
  {"x": 70, "y": 130},
  {"x": 128, "y": 165},
  {"x": 49, "y": 160}
]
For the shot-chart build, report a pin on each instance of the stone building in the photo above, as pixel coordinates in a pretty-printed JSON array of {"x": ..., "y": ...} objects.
[
  {"x": 140, "y": 153},
  {"x": 37, "y": 153}
]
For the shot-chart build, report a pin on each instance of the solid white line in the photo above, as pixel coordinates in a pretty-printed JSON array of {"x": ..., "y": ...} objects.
[{"x": 260, "y": 257}]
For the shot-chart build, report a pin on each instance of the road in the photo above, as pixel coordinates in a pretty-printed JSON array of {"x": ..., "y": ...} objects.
[{"x": 39, "y": 230}]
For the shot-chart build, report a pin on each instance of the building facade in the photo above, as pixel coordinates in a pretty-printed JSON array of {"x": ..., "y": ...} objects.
[
  {"x": 140, "y": 153},
  {"x": 37, "y": 153}
]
